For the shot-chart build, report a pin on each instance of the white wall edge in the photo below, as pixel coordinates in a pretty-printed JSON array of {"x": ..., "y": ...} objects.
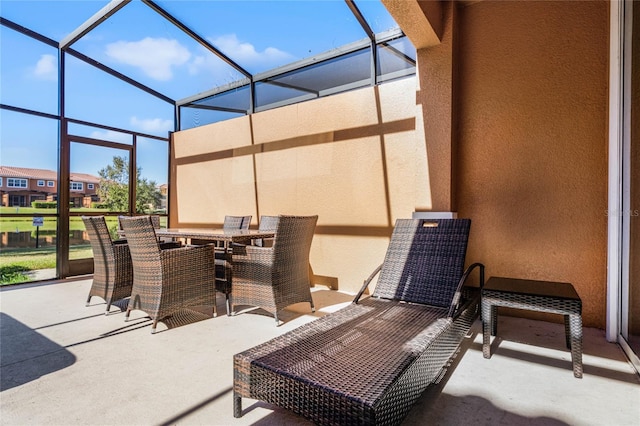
[
  {"x": 616, "y": 37},
  {"x": 434, "y": 215}
]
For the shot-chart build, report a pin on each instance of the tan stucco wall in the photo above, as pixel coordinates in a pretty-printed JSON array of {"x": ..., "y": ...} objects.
[
  {"x": 353, "y": 159},
  {"x": 533, "y": 141},
  {"x": 506, "y": 122}
]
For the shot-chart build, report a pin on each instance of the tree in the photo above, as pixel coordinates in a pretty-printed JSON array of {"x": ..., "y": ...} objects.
[{"x": 114, "y": 188}]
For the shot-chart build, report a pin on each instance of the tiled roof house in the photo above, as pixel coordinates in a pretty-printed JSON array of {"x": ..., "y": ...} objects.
[{"x": 20, "y": 186}]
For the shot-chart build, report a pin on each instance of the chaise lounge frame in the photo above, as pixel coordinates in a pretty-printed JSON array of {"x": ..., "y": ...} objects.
[{"x": 369, "y": 362}]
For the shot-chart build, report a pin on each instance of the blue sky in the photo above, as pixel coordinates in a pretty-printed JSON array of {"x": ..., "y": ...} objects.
[{"x": 139, "y": 43}]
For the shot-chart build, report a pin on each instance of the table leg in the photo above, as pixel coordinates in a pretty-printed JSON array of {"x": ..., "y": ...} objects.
[
  {"x": 494, "y": 320},
  {"x": 575, "y": 325},
  {"x": 486, "y": 327},
  {"x": 567, "y": 331}
]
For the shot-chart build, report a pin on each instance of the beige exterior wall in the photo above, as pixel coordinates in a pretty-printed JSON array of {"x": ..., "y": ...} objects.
[
  {"x": 506, "y": 123},
  {"x": 354, "y": 159}
]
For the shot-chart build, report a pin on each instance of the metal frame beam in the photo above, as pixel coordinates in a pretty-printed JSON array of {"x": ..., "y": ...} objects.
[{"x": 98, "y": 18}]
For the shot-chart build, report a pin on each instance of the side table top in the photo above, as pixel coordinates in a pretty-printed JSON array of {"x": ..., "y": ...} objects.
[{"x": 532, "y": 287}]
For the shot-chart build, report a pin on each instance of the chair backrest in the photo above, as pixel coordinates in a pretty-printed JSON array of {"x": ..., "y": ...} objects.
[
  {"x": 100, "y": 239},
  {"x": 291, "y": 247},
  {"x": 236, "y": 222},
  {"x": 155, "y": 219},
  {"x": 144, "y": 247},
  {"x": 424, "y": 261},
  {"x": 268, "y": 223}
]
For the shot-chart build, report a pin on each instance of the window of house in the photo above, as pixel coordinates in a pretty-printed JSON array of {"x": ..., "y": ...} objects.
[
  {"x": 0, "y": 181},
  {"x": 76, "y": 186},
  {"x": 50, "y": 183},
  {"x": 40, "y": 183},
  {"x": 89, "y": 186},
  {"x": 16, "y": 183}
]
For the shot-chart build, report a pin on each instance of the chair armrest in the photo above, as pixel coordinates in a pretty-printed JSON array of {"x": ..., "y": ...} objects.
[
  {"x": 168, "y": 245},
  {"x": 454, "y": 309},
  {"x": 366, "y": 284},
  {"x": 253, "y": 264},
  {"x": 253, "y": 254}
]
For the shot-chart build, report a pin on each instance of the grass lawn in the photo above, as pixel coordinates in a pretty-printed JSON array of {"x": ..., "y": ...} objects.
[{"x": 14, "y": 262}]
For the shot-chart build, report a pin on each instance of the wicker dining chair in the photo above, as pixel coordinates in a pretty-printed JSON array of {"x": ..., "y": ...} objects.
[
  {"x": 155, "y": 219},
  {"x": 273, "y": 278},
  {"x": 236, "y": 222},
  {"x": 267, "y": 223},
  {"x": 112, "y": 269},
  {"x": 166, "y": 281}
]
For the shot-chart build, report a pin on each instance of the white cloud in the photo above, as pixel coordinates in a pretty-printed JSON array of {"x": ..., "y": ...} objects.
[
  {"x": 46, "y": 68},
  {"x": 155, "y": 56},
  {"x": 110, "y": 135},
  {"x": 243, "y": 52},
  {"x": 152, "y": 125}
]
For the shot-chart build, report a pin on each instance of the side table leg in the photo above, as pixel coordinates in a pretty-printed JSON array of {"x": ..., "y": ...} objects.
[
  {"x": 575, "y": 325},
  {"x": 486, "y": 328},
  {"x": 567, "y": 331},
  {"x": 494, "y": 320}
]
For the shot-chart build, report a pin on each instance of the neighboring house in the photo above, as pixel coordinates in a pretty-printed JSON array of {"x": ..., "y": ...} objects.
[{"x": 20, "y": 186}]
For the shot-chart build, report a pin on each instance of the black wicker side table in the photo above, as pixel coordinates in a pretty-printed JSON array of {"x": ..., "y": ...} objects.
[{"x": 540, "y": 296}]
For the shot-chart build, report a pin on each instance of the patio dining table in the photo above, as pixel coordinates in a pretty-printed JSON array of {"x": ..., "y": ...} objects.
[{"x": 224, "y": 239}]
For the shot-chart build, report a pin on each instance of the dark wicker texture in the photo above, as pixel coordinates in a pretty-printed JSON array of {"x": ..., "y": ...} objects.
[
  {"x": 112, "y": 269},
  {"x": 223, "y": 253},
  {"x": 267, "y": 223},
  {"x": 570, "y": 309},
  {"x": 369, "y": 362},
  {"x": 167, "y": 281},
  {"x": 273, "y": 278}
]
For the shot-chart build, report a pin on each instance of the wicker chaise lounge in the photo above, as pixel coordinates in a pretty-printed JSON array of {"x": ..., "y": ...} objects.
[{"x": 369, "y": 362}]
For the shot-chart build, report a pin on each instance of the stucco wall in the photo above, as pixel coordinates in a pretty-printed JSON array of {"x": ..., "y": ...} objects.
[
  {"x": 532, "y": 100},
  {"x": 353, "y": 159}
]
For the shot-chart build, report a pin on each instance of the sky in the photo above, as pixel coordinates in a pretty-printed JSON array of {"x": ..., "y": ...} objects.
[{"x": 139, "y": 43}]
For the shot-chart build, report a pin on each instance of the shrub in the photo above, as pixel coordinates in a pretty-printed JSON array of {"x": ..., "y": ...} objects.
[
  {"x": 44, "y": 204},
  {"x": 12, "y": 274},
  {"x": 98, "y": 205}
]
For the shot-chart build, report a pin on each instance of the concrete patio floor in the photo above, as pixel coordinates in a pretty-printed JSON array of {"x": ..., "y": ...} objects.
[{"x": 66, "y": 364}]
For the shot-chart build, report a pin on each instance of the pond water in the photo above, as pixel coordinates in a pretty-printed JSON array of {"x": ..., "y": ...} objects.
[{"x": 45, "y": 239}]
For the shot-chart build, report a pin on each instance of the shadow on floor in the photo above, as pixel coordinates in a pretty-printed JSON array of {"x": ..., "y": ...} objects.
[{"x": 22, "y": 357}]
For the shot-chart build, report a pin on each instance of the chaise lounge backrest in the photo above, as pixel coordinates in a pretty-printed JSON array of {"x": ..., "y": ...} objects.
[{"x": 424, "y": 261}]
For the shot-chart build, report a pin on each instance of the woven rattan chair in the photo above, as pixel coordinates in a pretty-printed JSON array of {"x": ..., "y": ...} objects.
[
  {"x": 167, "y": 281},
  {"x": 155, "y": 219},
  {"x": 273, "y": 278},
  {"x": 236, "y": 222},
  {"x": 267, "y": 223},
  {"x": 112, "y": 269},
  {"x": 369, "y": 362}
]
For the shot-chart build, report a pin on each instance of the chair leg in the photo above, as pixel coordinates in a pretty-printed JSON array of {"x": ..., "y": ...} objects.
[
  {"x": 237, "y": 406},
  {"x": 275, "y": 315},
  {"x": 313, "y": 308},
  {"x": 88, "y": 300},
  {"x": 153, "y": 326},
  {"x": 126, "y": 316},
  {"x": 108, "y": 307}
]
